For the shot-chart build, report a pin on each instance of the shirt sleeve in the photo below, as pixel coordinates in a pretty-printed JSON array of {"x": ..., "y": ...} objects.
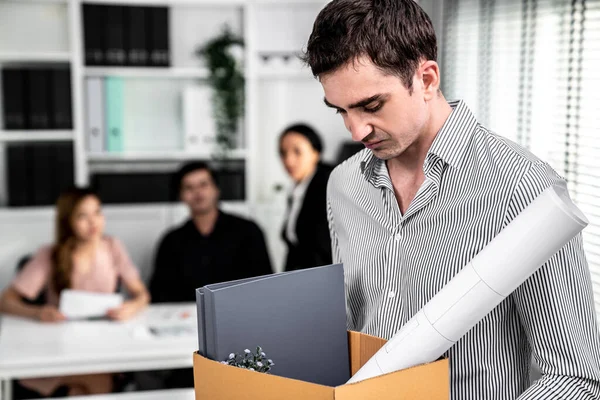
[
  {"x": 162, "y": 281},
  {"x": 35, "y": 275},
  {"x": 335, "y": 249},
  {"x": 336, "y": 255},
  {"x": 556, "y": 309},
  {"x": 123, "y": 264}
]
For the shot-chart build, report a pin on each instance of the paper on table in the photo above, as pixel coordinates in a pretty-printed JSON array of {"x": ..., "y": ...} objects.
[
  {"x": 76, "y": 304},
  {"x": 173, "y": 331}
]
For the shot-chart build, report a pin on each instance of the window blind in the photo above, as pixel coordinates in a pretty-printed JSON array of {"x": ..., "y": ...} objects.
[{"x": 526, "y": 69}]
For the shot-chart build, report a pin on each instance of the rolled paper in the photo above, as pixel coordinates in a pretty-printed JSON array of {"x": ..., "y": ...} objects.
[{"x": 549, "y": 222}]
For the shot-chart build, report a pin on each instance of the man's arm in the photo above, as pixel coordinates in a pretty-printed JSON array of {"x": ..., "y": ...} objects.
[
  {"x": 335, "y": 249},
  {"x": 556, "y": 309},
  {"x": 336, "y": 255},
  {"x": 161, "y": 281},
  {"x": 258, "y": 254}
]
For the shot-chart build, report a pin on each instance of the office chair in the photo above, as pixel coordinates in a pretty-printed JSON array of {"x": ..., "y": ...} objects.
[{"x": 41, "y": 299}]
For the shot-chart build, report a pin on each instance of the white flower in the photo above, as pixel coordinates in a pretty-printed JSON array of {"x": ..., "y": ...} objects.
[
  {"x": 231, "y": 356},
  {"x": 263, "y": 354},
  {"x": 224, "y": 362},
  {"x": 259, "y": 364},
  {"x": 251, "y": 369},
  {"x": 247, "y": 351}
]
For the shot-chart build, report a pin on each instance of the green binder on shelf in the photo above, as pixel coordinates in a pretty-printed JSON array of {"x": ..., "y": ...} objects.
[{"x": 114, "y": 114}]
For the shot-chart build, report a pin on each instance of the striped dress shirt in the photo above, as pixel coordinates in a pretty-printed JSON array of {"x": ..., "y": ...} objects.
[{"x": 476, "y": 182}]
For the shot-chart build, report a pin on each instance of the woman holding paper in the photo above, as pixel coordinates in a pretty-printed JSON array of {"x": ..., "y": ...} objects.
[{"x": 81, "y": 258}]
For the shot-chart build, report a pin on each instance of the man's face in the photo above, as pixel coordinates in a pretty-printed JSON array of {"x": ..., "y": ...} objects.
[
  {"x": 377, "y": 109},
  {"x": 199, "y": 192}
]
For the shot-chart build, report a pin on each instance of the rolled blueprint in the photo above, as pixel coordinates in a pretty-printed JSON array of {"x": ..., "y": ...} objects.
[{"x": 549, "y": 222}]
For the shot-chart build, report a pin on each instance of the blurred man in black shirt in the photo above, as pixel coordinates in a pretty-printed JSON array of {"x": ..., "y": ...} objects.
[{"x": 211, "y": 247}]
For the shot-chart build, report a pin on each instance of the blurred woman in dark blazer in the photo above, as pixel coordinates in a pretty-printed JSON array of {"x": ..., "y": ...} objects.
[{"x": 306, "y": 230}]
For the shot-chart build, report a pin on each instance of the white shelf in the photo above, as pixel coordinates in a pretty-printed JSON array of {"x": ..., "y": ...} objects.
[
  {"x": 204, "y": 2},
  {"x": 35, "y": 136},
  {"x": 147, "y": 72},
  {"x": 169, "y": 2},
  {"x": 19, "y": 57},
  {"x": 267, "y": 74},
  {"x": 39, "y": 1},
  {"x": 158, "y": 156}
]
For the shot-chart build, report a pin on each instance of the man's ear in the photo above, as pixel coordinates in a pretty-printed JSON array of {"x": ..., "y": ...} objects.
[{"x": 430, "y": 76}]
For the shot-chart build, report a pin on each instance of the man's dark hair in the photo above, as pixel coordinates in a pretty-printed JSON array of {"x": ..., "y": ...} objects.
[
  {"x": 395, "y": 34},
  {"x": 192, "y": 167},
  {"x": 308, "y": 132}
]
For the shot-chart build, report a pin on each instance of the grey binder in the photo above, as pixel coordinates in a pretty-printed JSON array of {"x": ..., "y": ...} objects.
[
  {"x": 297, "y": 317},
  {"x": 200, "y": 319},
  {"x": 95, "y": 114},
  {"x": 200, "y": 310}
]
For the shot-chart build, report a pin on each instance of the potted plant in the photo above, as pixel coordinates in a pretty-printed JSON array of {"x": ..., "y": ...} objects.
[{"x": 223, "y": 56}]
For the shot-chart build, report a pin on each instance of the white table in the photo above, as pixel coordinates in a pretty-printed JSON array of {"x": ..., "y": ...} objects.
[
  {"x": 170, "y": 394},
  {"x": 32, "y": 349}
]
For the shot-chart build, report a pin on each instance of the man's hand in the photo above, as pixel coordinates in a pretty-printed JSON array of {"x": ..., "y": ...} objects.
[{"x": 50, "y": 313}]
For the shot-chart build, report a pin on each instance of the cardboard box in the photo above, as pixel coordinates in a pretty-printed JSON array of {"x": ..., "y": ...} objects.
[{"x": 215, "y": 381}]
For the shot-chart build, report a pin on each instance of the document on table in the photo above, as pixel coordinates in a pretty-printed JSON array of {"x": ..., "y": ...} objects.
[
  {"x": 169, "y": 321},
  {"x": 79, "y": 304}
]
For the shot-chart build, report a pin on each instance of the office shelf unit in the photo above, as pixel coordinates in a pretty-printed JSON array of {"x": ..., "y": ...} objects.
[{"x": 279, "y": 91}]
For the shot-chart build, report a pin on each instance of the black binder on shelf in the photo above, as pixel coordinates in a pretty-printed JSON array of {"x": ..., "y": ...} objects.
[
  {"x": 158, "y": 36},
  {"x": 132, "y": 187},
  {"x": 93, "y": 34},
  {"x": 13, "y": 98},
  {"x": 42, "y": 174},
  {"x": 137, "y": 49},
  {"x": 297, "y": 317},
  {"x": 38, "y": 99},
  {"x": 61, "y": 99},
  {"x": 64, "y": 168},
  {"x": 19, "y": 174},
  {"x": 232, "y": 183},
  {"x": 38, "y": 172},
  {"x": 114, "y": 28}
]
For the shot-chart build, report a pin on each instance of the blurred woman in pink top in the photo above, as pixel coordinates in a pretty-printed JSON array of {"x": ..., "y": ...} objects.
[{"x": 81, "y": 258}]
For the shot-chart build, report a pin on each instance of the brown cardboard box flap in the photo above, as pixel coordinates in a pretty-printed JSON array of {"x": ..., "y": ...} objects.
[
  {"x": 362, "y": 348},
  {"x": 429, "y": 381},
  {"x": 215, "y": 381}
]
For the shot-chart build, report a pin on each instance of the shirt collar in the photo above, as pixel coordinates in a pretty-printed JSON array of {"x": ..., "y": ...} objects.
[{"x": 449, "y": 145}]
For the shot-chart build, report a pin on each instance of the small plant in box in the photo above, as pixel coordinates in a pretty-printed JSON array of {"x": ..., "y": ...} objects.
[{"x": 257, "y": 361}]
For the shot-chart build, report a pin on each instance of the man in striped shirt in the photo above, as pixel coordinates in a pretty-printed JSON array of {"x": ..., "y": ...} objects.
[{"x": 430, "y": 191}]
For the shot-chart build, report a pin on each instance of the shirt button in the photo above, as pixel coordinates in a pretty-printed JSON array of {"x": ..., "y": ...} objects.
[{"x": 391, "y": 294}]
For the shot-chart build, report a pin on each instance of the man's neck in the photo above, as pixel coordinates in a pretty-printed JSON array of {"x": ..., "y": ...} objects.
[
  {"x": 412, "y": 159},
  {"x": 406, "y": 171},
  {"x": 205, "y": 222}
]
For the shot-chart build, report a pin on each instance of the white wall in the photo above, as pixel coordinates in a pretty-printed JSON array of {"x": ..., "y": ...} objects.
[{"x": 435, "y": 10}]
